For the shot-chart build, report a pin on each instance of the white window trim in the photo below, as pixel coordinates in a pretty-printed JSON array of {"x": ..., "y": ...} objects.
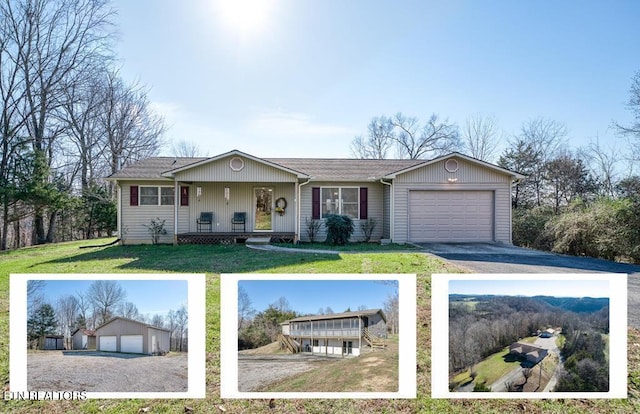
[
  {"x": 323, "y": 201},
  {"x": 159, "y": 196}
]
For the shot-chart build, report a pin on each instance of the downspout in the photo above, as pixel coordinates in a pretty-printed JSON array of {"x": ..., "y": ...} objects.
[
  {"x": 176, "y": 199},
  {"x": 121, "y": 234},
  {"x": 391, "y": 209},
  {"x": 299, "y": 210}
]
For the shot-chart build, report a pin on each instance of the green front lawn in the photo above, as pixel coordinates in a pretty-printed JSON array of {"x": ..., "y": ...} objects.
[{"x": 213, "y": 260}]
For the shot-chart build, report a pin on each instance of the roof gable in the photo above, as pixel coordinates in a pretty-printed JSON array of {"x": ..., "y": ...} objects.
[
  {"x": 174, "y": 171},
  {"x": 471, "y": 160},
  {"x": 146, "y": 325}
]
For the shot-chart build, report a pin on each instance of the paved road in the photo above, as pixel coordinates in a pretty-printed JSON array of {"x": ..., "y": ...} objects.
[{"x": 498, "y": 258}]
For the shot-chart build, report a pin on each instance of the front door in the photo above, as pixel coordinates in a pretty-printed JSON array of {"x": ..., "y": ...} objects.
[{"x": 263, "y": 209}]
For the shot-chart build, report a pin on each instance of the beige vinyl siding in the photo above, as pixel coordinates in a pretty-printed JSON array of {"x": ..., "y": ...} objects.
[
  {"x": 120, "y": 327},
  {"x": 220, "y": 171},
  {"x": 386, "y": 212},
  {"x": 467, "y": 173},
  {"x": 162, "y": 339},
  {"x": 135, "y": 217},
  {"x": 375, "y": 206},
  {"x": 468, "y": 177},
  {"x": 241, "y": 199}
]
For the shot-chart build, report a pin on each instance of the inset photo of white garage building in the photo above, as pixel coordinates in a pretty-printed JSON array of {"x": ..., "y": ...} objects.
[{"x": 126, "y": 335}]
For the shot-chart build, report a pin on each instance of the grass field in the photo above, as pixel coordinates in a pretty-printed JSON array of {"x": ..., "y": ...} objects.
[
  {"x": 372, "y": 372},
  {"x": 68, "y": 258}
]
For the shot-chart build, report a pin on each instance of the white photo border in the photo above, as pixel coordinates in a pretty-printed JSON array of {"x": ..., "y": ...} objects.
[
  {"x": 229, "y": 337},
  {"x": 196, "y": 304},
  {"x": 617, "y": 337}
]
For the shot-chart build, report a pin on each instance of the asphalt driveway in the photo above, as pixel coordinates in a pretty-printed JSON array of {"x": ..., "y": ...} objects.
[{"x": 498, "y": 258}]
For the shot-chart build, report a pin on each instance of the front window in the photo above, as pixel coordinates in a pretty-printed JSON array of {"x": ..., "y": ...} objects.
[
  {"x": 154, "y": 196},
  {"x": 340, "y": 200}
]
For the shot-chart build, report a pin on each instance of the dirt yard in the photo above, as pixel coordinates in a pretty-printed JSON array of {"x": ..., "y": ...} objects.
[
  {"x": 105, "y": 372},
  {"x": 256, "y": 371}
]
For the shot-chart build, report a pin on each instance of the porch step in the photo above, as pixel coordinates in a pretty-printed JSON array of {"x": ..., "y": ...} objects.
[{"x": 260, "y": 241}]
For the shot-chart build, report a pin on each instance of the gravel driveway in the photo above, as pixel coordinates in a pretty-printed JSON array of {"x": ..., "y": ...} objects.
[
  {"x": 256, "y": 371},
  {"x": 105, "y": 372}
]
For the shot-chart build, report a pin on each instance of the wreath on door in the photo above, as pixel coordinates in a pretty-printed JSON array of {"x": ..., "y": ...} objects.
[{"x": 281, "y": 205}]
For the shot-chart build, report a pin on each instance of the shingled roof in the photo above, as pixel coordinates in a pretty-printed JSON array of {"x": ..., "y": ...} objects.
[
  {"x": 351, "y": 314},
  {"x": 152, "y": 168},
  {"x": 316, "y": 168},
  {"x": 344, "y": 169}
]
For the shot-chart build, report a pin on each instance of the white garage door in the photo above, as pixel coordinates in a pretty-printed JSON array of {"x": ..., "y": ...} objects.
[
  {"x": 131, "y": 343},
  {"x": 448, "y": 216},
  {"x": 108, "y": 343}
]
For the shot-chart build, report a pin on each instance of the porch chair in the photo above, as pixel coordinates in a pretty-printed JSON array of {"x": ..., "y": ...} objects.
[
  {"x": 206, "y": 219},
  {"x": 239, "y": 219}
]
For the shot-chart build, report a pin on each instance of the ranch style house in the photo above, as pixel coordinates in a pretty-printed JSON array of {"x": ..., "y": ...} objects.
[{"x": 235, "y": 195}]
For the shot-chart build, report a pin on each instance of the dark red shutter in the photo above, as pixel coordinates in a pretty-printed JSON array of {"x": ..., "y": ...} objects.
[
  {"x": 133, "y": 195},
  {"x": 364, "y": 203},
  {"x": 184, "y": 196},
  {"x": 315, "y": 203}
]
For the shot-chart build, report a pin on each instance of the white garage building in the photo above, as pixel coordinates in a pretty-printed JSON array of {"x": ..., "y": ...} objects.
[{"x": 126, "y": 335}]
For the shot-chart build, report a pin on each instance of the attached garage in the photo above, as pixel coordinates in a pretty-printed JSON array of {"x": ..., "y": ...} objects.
[
  {"x": 131, "y": 343},
  {"x": 451, "y": 216},
  {"x": 454, "y": 198},
  {"x": 126, "y": 335},
  {"x": 108, "y": 343}
]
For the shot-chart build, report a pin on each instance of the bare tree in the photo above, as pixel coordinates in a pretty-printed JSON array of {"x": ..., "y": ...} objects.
[
  {"x": 245, "y": 311},
  {"x": 132, "y": 130},
  {"x": 603, "y": 162},
  {"x": 538, "y": 143},
  {"x": 172, "y": 320},
  {"x": 362, "y": 307},
  {"x": 282, "y": 304},
  {"x": 129, "y": 310},
  {"x": 480, "y": 137},
  {"x": 35, "y": 297},
  {"x": 328, "y": 311},
  {"x": 56, "y": 43},
  {"x": 415, "y": 140},
  {"x": 182, "y": 319},
  {"x": 391, "y": 307},
  {"x": 67, "y": 312},
  {"x": 411, "y": 138},
  {"x": 632, "y": 131},
  {"x": 105, "y": 295},
  {"x": 377, "y": 142},
  {"x": 157, "y": 320},
  {"x": 184, "y": 148}
]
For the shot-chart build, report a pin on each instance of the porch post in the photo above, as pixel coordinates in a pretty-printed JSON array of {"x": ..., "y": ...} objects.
[
  {"x": 359, "y": 336},
  {"x": 176, "y": 201}
]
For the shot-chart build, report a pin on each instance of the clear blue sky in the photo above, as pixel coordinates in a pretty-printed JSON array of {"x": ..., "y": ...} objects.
[
  {"x": 557, "y": 288},
  {"x": 308, "y": 296},
  {"x": 150, "y": 296},
  {"x": 302, "y": 78}
]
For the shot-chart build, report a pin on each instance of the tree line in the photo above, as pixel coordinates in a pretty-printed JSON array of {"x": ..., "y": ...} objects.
[
  {"x": 583, "y": 201},
  {"x": 67, "y": 120},
  {"x": 485, "y": 325},
  {"x": 103, "y": 300}
]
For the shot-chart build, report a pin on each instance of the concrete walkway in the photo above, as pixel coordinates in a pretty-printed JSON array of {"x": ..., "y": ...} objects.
[{"x": 268, "y": 247}]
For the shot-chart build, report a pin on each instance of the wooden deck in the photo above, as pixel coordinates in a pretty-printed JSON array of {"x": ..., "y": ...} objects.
[{"x": 232, "y": 237}]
